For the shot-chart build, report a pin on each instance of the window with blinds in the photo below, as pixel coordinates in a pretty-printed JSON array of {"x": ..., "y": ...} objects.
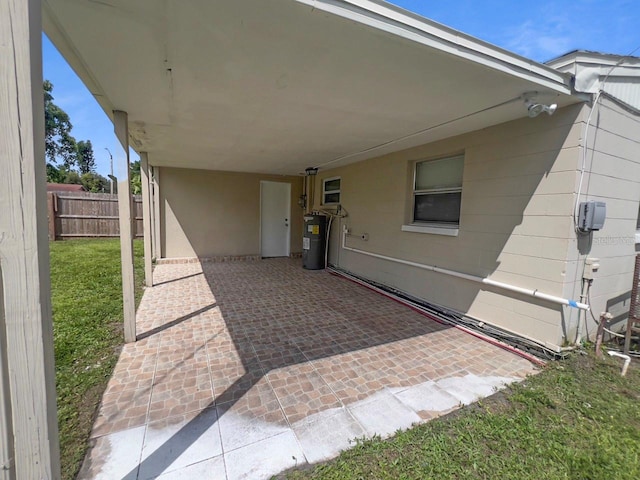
[
  {"x": 331, "y": 191},
  {"x": 437, "y": 192}
]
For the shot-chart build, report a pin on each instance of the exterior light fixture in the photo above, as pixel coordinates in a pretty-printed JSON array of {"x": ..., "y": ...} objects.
[{"x": 535, "y": 109}]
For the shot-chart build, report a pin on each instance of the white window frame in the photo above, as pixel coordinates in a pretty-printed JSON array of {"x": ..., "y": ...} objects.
[
  {"x": 439, "y": 228},
  {"x": 331, "y": 192}
]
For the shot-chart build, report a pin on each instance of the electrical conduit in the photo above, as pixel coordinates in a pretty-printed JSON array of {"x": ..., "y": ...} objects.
[
  {"x": 472, "y": 278},
  {"x": 421, "y": 311}
]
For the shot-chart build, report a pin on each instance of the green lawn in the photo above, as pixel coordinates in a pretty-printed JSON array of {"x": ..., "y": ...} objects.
[
  {"x": 579, "y": 419},
  {"x": 86, "y": 290}
]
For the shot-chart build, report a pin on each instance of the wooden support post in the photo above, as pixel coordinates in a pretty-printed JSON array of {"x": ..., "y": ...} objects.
[
  {"x": 29, "y": 426},
  {"x": 146, "y": 218},
  {"x": 156, "y": 213},
  {"x": 121, "y": 127},
  {"x": 152, "y": 211},
  {"x": 7, "y": 464}
]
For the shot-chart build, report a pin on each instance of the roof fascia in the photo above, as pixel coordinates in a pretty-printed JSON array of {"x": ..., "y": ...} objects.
[{"x": 402, "y": 23}]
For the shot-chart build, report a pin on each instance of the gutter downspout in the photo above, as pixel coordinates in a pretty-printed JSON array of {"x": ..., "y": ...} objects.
[{"x": 473, "y": 278}]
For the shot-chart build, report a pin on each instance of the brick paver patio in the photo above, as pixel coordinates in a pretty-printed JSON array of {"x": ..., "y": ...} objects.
[{"x": 245, "y": 369}]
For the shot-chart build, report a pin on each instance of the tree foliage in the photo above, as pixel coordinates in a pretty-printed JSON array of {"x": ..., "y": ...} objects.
[
  {"x": 94, "y": 182},
  {"x": 60, "y": 146},
  {"x": 136, "y": 179},
  {"x": 71, "y": 161},
  {"x": 68, "y": 161},
  {"x": 55, "y": 175},
  {"x": 86, "y": 162}
]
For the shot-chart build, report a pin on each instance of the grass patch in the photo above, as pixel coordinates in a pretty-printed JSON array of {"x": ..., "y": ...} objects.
[
  {"x": 578, "y": 419},
  {"x": 86, "y": 293}
]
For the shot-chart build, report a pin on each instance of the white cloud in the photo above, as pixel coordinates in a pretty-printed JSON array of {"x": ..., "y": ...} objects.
[
  {"x": 540, "y": 40},
  {"x": 553, "y": 28}
]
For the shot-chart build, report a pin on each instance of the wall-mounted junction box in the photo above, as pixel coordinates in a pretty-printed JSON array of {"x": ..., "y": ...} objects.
[
  {"x": 591, "y": 265},
  {"x": 591, "y": 216}
]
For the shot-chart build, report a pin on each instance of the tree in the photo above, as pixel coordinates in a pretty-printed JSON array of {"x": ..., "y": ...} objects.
[
  {"x": 59, "y": 143},
  {"x": 72, "y": 177},
  {"x": 69, "y": 161},
  {"x": 86, "y": 162},
  {"x": 63, "y": 154},
  {"x": 136, "y": 179},
  {"x": 55, "y": 175},
  {"x": 94, "y": 182}
]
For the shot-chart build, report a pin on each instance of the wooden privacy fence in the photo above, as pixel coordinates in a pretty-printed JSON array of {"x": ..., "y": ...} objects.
[{"x": 86, "y": 215}]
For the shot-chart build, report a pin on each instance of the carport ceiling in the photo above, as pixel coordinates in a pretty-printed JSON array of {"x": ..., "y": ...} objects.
[{"x": 277, "y": 86}]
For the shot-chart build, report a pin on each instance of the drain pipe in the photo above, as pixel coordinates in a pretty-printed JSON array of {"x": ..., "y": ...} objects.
[
  {"x": 465, "y": 276},
  {"x": 626, "y": 358}
]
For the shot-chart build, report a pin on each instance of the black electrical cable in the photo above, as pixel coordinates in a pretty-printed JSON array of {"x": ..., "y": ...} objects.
[{"x": 453, "y": 318}]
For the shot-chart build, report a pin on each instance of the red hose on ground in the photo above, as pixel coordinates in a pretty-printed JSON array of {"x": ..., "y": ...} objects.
[{"x": 532, "y": 358}]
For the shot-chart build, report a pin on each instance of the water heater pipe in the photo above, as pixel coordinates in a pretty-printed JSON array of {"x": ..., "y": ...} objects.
[
  {"x": 310, "y": 176},
  {"x": 486, "y": 281}
]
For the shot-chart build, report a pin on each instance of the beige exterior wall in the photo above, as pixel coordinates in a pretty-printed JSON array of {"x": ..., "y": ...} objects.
[
  {"x": 206, "y": 213},
  {"x": 612, "y": 175},
  {"x": 519, "y": 190},
  {"x": 515, "y": 227}
]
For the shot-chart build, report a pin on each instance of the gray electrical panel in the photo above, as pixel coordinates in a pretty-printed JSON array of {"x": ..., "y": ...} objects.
[{"x": 591, "y": 216}]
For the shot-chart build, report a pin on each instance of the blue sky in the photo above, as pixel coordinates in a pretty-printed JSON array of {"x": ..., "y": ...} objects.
[{"x": 537, "y": 29}]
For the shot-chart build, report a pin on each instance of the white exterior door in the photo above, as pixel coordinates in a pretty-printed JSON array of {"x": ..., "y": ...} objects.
[{"x": 275, "y": 218}]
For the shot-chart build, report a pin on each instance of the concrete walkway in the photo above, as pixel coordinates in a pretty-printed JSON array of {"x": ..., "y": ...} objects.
[{"x": 246, "y": 369}]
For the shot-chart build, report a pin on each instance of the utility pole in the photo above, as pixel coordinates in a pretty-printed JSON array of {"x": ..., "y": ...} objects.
[{"x": 110, "y": 176}]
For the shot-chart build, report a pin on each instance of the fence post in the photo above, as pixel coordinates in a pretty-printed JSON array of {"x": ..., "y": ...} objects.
[
  {"x": 634, "y": 307},
  {"x": 52, "y": 202}
]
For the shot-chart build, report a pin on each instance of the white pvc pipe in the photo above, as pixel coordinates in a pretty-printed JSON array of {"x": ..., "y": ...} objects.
[
  {"x": 431, "y": 315},
  {"x": 627, "y": 360},
  {"x": 472, "y": 278}
]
